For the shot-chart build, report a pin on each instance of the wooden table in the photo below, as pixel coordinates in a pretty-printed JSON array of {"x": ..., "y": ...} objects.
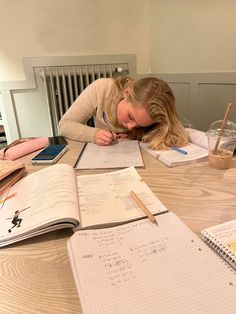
[{"x": 35, "y": 275}]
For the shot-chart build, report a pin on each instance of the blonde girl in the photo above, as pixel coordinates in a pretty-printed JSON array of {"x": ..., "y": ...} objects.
[{"x": 143, "y": 109}]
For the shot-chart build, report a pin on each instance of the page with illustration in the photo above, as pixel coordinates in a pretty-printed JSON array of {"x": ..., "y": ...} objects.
[
  {"x": 40, "y": 199},
  {"x": 222, "y": 239},
  {"x": 105, "y": 198},
  {"x": 141, "y": 268}
]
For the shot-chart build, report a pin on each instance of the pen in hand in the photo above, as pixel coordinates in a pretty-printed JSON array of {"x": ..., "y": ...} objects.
[{"x": 108, "y": 127}]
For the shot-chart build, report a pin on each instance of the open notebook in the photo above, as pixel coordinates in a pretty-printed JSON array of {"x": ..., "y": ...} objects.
[
  {"x": 54, "y": 198},
  {"x": 197, "y": 151},
  {"x": 141, "y": 268},
  {"x": 125, "y": 153}
]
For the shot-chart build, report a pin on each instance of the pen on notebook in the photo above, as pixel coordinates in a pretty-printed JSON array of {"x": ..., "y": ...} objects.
[
  {"x": 143, "y": 207},
  {"x": 179, "y": 150},
  {"x": 108, "y": 127}
]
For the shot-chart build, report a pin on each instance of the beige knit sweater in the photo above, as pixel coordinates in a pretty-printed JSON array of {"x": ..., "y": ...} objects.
[{"x": 90, "y": 103}]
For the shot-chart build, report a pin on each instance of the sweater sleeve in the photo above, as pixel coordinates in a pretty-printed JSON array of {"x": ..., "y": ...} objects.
[{"x": 73, "y": 123}]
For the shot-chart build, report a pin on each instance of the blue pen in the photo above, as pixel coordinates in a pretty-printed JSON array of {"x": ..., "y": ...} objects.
[
  {"x": 109, "y": 129},
  {"x": 179, "y": 150}
]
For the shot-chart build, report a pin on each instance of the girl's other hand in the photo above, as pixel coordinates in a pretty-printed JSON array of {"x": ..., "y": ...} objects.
[{"x": 104, "y": 137}]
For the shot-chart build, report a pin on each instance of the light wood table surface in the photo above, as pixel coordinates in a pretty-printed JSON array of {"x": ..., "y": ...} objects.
[{"x": 35, "y": 274}]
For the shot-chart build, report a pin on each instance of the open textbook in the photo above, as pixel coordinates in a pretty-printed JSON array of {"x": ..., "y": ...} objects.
[
  {"x": 222, "y": 239},
  {"x": 196, "y": 150},
  {"x": 54, "y": 198},
  {"x": 143, "y": 268},
  {"x": 125, "y": 153}
]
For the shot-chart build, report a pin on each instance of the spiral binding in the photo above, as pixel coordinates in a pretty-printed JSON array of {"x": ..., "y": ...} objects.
[{"x": 220, "y": 249}]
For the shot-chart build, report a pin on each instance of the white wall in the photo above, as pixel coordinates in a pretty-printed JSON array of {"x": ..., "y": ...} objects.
[
  {"x": 32, "y": 28},
  {"x": 167, "y": 36}
]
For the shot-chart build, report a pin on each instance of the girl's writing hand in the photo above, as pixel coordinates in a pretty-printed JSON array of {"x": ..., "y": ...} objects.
[{"x": 104, "y": 137}]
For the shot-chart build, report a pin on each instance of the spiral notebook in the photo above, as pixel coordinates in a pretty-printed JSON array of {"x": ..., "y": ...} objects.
[
  {"x": 222, "y": 239},
  {"x": 143, "y": 268}
]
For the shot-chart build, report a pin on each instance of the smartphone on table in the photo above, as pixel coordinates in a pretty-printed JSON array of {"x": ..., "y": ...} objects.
[
  {"x": 50, "y": 154},
  {"x": 56, "y": 140}
]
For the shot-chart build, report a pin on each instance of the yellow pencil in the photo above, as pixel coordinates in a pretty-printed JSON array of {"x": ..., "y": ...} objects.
[{"x": 143, "y": 207}]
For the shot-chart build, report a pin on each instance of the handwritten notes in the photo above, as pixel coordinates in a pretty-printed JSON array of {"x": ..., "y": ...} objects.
[
  {"x": 105, "y": 198},
  {"x": 138, "y": 268}
]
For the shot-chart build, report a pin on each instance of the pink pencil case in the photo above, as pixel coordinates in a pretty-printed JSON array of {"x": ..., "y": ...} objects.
[{"x": 22, "y": 147}]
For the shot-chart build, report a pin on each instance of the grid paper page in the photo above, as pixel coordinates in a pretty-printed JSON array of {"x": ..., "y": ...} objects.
[{"x": 141, "y": 268}]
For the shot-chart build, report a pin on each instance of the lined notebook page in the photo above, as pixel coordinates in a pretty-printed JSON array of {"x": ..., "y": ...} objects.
[
  {"x": 105, "y": 198},
  {"x": 125, "y": 153},
  {"x": 141, "y": 268}
]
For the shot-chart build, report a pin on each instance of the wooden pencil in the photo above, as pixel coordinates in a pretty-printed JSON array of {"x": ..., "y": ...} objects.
[{"x": 143, "y": 207}]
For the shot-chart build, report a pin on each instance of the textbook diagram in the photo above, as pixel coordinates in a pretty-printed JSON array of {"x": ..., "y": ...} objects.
[{"x": 16, "y": 221}]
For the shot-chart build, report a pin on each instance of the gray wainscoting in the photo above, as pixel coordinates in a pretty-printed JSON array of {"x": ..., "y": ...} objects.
[{"x": 202, "y": 98}]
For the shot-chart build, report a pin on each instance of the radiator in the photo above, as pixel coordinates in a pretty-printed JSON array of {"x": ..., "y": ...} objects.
[{"x": 63, "y": 84}]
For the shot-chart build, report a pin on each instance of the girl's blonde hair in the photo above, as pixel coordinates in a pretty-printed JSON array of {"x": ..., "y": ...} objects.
[{"x": 158, "y": 99}]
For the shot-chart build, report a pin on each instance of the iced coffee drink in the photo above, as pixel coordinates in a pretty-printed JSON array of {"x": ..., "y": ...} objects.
[
  {"x": 221, "y": 159},
  {"x": 221, "y": 143}
]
